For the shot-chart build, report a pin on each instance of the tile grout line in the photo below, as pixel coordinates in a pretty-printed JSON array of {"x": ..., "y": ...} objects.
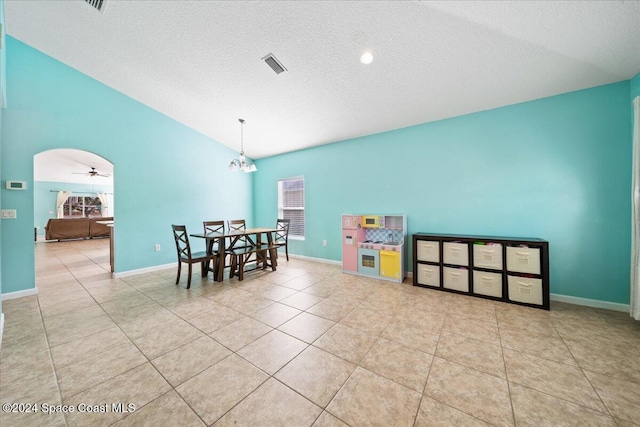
[
  {"x": 53, "y": 368},
  {"x": 506, "y": 372},
  {"x": 555, "y": 361},
  {"x": 585, "y": 376}
]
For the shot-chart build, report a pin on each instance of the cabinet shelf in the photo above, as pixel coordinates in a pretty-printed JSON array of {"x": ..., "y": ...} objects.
[{"x": 509, "y": 269}]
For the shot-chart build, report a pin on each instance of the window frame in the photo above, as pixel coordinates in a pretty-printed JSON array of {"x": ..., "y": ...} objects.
[
  {"x": 67, "y": 206},
  {"x": 282, "y": 208}
]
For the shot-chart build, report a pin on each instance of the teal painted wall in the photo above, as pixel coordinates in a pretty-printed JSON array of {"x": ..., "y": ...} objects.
[
  {"x": 44, "y": 201},
  {"x": 635, "y": 86},
  {"x": 3, "y": 59},
  {"x": 2, "y": 86},
  {"x": 1, "y": 181},
  {"x": 557, "y": 168},
  {"x": 164, "y": 172}
]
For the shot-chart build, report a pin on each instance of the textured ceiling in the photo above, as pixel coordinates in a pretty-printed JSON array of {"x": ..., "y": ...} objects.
[{"x": 199, "y": 62}]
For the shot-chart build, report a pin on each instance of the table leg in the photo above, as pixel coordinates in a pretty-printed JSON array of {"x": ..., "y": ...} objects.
[
  {"x": 273, "y": 252},
  {"x": 260, "y": 255},
  {"x": 219, "y": 274}
]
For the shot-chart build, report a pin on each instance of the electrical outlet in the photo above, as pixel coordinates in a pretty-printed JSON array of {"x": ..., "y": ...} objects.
[
  {"x": 157, "y": 247},
  {"x": 324, "y": 243}
]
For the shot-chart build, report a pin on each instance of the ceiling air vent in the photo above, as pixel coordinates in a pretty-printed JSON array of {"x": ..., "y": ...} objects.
[
  {"x": 97, "y": 4},
  {"x": 274, "y": 63}
]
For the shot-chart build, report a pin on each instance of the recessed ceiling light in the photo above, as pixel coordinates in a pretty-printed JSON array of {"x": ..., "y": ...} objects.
[{"x": 366, "y": 58}]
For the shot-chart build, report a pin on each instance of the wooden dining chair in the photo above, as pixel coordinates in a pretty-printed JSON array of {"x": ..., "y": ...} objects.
[
  {"x": 185, "y": 255},
  {"x": 213, "y": 227},
  {"x": 219, "y": 227},
  {"x": 281, "y": 236},
  {"x": 242, "y": 248},
  {"x": 238, "y": 225}
]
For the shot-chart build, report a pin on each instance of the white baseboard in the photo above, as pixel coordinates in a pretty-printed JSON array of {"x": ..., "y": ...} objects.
[
  {"x": 144, "y": 270},
  {"x": 309, "y": 258},
  {"x": 578, "y": 301},
  {"x": 19, "y": 294},
  {"x": 173, "y": 264},
  {"x": 591, "y": 302}
]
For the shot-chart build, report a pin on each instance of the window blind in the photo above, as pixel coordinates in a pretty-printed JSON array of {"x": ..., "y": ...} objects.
[{"x": 291, "y": 204}]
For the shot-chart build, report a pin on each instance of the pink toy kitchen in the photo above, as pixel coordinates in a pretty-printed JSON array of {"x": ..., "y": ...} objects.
[{"x": 374, "y": 246}]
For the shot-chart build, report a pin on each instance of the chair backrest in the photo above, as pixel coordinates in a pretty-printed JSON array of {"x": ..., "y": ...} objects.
[
  {"x": 282, "y": 225},
  {"x": 237, "y": 224},
  {"x": 213, "y": 226},
  {"x": 182, "y": 241}
]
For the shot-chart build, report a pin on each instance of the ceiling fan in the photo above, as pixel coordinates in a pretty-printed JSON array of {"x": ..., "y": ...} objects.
[{"x": 92, "y": 172}]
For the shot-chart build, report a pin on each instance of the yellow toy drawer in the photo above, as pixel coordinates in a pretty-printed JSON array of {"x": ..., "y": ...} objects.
[{"x": 390, "y": 264}]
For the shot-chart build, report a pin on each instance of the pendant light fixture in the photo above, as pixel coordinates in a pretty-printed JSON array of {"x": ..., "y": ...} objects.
[{"x": 242, "y": 163}]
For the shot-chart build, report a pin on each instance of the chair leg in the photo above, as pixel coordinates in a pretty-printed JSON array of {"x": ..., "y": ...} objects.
[
  {"x": 286, "y": 250},
  {"x": 241, "y": 263},
  {"x": 189, "y": 279},
  {"x": 204, "y": 268},
  {"x": 179, "y": 268},
  {"x": 215, "y": 268},
  {"x": 233, "y": 265},
  {"x": 213, "y": 263}
]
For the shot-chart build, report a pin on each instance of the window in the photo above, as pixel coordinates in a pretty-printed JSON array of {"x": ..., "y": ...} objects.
[
  {"x": 82, "y": 207},
  {"x": 291, "y": 204}
]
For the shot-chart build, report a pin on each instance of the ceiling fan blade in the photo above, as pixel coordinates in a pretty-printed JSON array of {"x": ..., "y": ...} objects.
[{"x": 91, "y": 172}]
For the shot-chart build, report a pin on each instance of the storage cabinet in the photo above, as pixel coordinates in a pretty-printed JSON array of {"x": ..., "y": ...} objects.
[{"x": 509, "y": 269}]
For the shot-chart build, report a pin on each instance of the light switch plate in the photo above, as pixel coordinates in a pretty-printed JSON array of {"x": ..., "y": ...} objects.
[{"x": 8, "y": 214}]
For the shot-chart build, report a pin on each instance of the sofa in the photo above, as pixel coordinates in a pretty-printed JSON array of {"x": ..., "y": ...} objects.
[{"x": 76, "y": 228}]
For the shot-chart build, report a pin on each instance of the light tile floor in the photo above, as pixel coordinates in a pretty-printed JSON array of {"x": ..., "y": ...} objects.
[{"x": 306, "y": 345}]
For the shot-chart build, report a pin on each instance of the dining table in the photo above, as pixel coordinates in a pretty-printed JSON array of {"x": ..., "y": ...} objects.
[{"x": 241, "y": 243}]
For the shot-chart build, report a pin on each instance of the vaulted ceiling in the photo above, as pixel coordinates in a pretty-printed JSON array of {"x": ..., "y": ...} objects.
[{"x": 200, "y": 62}]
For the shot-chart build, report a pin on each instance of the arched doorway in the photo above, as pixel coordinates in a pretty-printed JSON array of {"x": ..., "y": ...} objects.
[{"x": 74, "y": 189}]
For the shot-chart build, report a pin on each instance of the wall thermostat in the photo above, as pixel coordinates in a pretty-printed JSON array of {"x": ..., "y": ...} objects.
[{"x": 16, "y": 185}]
